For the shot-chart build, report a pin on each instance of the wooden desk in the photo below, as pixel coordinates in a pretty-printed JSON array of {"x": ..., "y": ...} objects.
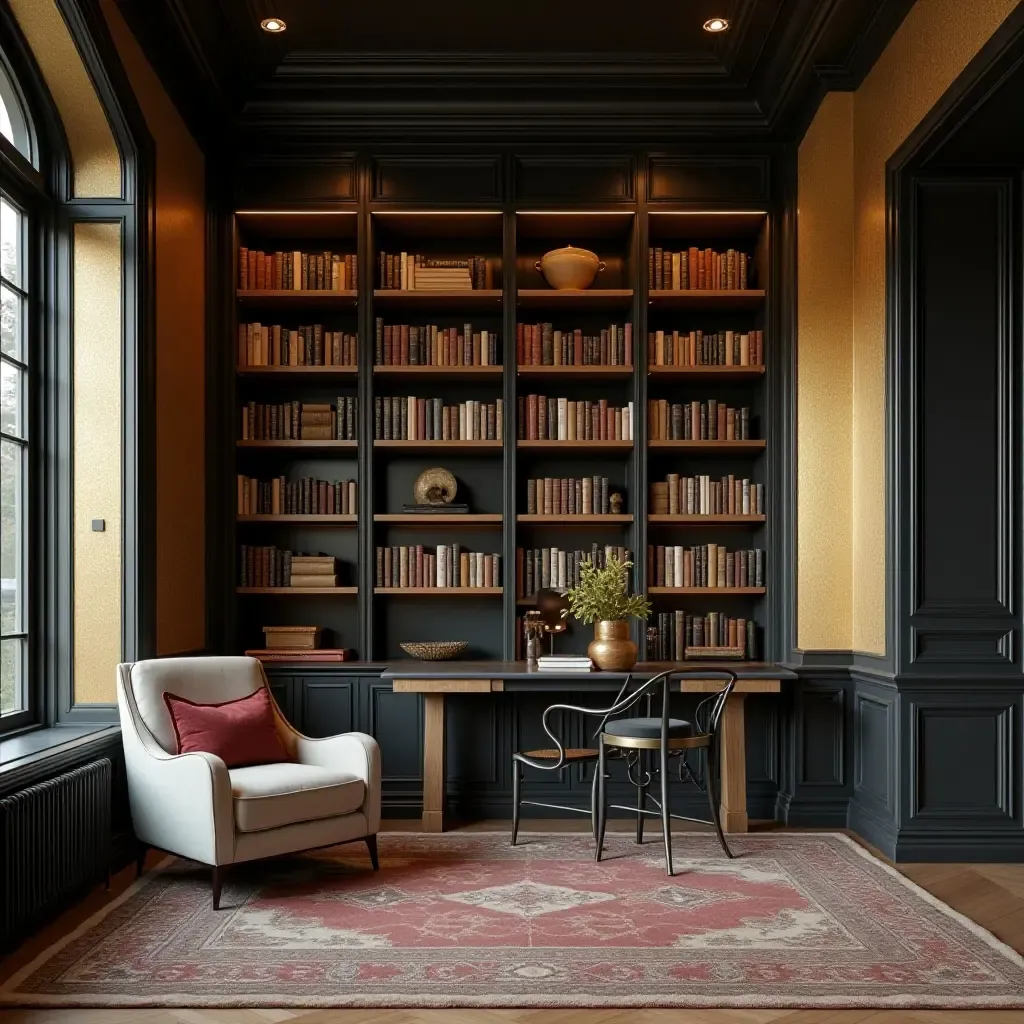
[{"x": 437, "y": 680}]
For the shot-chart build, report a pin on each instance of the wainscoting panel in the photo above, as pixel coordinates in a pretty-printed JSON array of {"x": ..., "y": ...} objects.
[
  {"x": 699, "y": 179},
  {"x": 546, "y": 179},
  {"x": 461, "y": 180}
]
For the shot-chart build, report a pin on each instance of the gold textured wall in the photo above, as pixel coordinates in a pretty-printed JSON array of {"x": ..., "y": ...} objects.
[
  {"x": 934, "y": 44},
  {"x": 180, "y": 354},
  {"x": 96, "y": 452},
  {"x": 95, "y": 159},
  {"x": 825, "y": 376}
]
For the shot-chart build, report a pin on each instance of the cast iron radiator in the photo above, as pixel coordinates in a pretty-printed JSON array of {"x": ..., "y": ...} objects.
[{"x": 54, "y": 842}]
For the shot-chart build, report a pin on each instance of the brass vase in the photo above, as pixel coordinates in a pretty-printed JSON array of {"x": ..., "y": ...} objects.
[{"x": 611, "y": 649}]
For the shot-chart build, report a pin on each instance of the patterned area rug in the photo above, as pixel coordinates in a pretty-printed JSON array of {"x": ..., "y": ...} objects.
[{"x": 464, "y": 919}]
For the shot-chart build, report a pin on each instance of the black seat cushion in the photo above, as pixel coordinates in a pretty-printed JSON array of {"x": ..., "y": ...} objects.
[{"x": 647, "y": 728}]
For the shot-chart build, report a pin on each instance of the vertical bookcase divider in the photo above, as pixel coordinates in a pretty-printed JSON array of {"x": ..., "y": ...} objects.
[
  {"x": 509, "y": 385},
  {"x": 367, "y": 482}
]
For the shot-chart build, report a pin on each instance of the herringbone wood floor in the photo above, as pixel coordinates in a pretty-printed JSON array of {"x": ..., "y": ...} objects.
[{"x": 991, "y": 894}]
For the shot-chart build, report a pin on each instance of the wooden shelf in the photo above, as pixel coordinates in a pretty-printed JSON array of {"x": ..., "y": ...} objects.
[
  {"x": 576, "y": 372},
  {"x": 707, "y": 591},
  {"x": 711, "y": 447},
  {"x": 440, "y": 518},
  {"x": 575, "y": 446},
  {"x": 439, "y": 446},
  {"x": 289, "y": 297},
  {"x": 297, "y": 371},
  {"x": 706, "y": 298},
  {"x": 476, "y": 298},
  {"x": 297, "y": 591},
  {"x": 438, "y": 371},
  {"x": 714, "y": 520},
  {"x": 578, "y": 520},
  {"x": 337, "y": 520},
  {"x": 437, "y": 591},
  {"x": 575, "y": 298},
  {"x": 352, "y": 445},
  {"x": 729, "y": 372}
]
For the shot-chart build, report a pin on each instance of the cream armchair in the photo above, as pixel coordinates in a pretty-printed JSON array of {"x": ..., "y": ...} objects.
[{"x": 195, "y": 806}]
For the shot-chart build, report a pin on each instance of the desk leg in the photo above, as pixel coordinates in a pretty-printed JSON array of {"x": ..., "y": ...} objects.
[
  {"x": 732, "y": 738},
  {"x": 433, "y": 762}
]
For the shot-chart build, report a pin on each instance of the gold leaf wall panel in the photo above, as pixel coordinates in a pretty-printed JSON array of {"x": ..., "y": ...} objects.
[
  {"x": 180, "y": 355},
  {"x": 934, "y": 44},
  {"x": 95, "y": 158},
  {"x": 825, "y": 376},
  {"x": 96, "y": 451}
]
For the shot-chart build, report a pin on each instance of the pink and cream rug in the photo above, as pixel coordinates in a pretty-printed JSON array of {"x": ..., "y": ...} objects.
[{"x": 464, "y": 919}]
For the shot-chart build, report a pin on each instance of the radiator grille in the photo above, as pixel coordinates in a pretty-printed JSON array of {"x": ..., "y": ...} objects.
[{"x": 54, "y": 842}]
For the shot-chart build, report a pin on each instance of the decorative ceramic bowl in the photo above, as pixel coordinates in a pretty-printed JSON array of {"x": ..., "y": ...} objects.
[
  {"x": 435, "y": 650},
  {"x": 569, "y": 267}
]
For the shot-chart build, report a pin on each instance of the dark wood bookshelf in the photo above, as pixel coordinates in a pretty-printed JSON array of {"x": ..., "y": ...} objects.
[
  {"x": 303, "y": 519},
  {"x": 715, "y": 520},
  {"x": 705, "y": 591},
  {"x": 706, "y": 298},
  {"x": 439, "y": 371},
  {"x": 299, "y": 444},
  {"x": 711, "y": 447},
  {"x": 578, "y": 520},
  {"x": 439, "y": 446},
  {"x": 295, "y": 298},
  {"x": 298, "y": 371},
  {"x": 703, "y": 372},
  {"x": 298, "y": 591},
  {"x": 439, "y": 591},
  {"x": 457, "y": 298},
  {"x": 440, "y": 518},
  {"x": 574, "y": 298},
  {"x": 575, "y": 446},
  {"x": 577, "y": 372}
]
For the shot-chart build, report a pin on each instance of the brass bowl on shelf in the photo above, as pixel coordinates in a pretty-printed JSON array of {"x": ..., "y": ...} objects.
[
  {"x": 569, "y": 267},
  {"x": 435, "y": 650}
]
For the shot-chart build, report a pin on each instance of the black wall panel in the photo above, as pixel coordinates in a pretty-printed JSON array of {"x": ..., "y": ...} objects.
[
  {"x": 456, "y": 180},
  {"x": 703, "y": 179},
  {"x": 579, "y": 179},
  {"x": 285, "y": 181}
]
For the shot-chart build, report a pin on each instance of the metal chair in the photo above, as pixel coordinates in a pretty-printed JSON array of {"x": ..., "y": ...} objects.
[
  {"x": 639, "y": 738},
  {"x": 551, "y": 760}
]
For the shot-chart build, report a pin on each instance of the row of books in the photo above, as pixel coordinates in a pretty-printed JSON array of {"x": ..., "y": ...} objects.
[
  {"x": 274, "y": 345},
  {"x": 431, "y": 345},
  {"x": 563, "y": 419},
  {"x": 674, "y": 632},
  {"x": 266, "y": 565},
  {"x": 429, "y": 419},
  {"x": 295, "y": 271},
  {"x": 414, "y": 567},
  {"x": 567, "y": 496},
  {"x": 701, "y": 348},
  {"x": 412, "y": 272},
  {"x": 702, "y": 496},
  {"x": 695, "y": 268},
  {"x": 704, "y": 565},
  {"x": 558, "y": 569},
  {"x": 697, "y": 421},
  {"x": 305, "y": 496},
  {"x": 301, "y": 421},
  {"x": 542, "y": 345}
]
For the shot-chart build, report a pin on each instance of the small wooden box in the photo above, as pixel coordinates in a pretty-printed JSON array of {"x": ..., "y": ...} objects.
[
  {"x": 713, "y": 654},
  {"x": 306, "y": 637}
]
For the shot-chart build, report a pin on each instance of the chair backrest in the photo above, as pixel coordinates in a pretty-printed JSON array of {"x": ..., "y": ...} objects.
[{"x": 202, "y": 680}]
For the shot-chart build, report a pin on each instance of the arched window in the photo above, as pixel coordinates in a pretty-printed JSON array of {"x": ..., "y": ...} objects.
[{"x": 17, "y": 317}]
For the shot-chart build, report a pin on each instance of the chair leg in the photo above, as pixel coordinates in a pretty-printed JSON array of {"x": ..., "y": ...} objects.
[
  {"x": 666, "y": 820},
  {"x": 371, "y": 845},
  {"x": 593, "y": 804},
  {"x": 218, "y": 879},
  {"x": 517, "y": 779},
  {"x": 709, "y": 785},
  {"x": 140, "y": 860},
  {"x": 601, "y": 809},
  {"x": 641, "y": 798}
]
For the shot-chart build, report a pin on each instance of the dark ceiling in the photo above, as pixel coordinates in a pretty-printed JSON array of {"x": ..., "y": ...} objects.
[{"x": 474, "y": 69}]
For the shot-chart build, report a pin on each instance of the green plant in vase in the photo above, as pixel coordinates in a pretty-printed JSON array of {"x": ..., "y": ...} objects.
[{"x": 603, "y": 598}]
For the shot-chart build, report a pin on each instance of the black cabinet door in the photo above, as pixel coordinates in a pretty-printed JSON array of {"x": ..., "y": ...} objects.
[
  {"x": 283, "y": 688},
  {"x": 395, "y": 720},
  {"x": 327, "y": 704}
]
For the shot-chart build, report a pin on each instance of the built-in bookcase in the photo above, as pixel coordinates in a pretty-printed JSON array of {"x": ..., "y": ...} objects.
[{"x": 494, "y": 464}]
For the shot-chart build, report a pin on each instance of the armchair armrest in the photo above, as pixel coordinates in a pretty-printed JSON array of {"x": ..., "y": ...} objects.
[{"x": 354, "y": 752}]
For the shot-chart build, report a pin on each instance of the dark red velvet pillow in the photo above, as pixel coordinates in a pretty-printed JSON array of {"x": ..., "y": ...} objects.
[{"x": 240, "y": 732}]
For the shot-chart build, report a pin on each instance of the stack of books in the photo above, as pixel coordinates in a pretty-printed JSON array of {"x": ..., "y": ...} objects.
[
  {"x": 456, "y": 508},
  {"x": 296, "y": 644},
  {"x": 564, "y": 663},
  {"x": 313, "y": 571}
]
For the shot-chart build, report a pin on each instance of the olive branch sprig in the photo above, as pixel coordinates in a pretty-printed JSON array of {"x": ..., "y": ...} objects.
[{"x": 603, "y": 594}]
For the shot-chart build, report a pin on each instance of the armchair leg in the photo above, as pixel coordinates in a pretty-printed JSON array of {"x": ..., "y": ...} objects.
[
  {"x": 371, "y": 845},
  {"x": 140, "y": 860},
  {"x": 218, "y": 879}
]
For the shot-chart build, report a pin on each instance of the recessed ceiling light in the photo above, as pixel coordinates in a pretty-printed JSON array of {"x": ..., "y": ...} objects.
[
  {"x": 716, "y": 24},
  {"x": 277, "y": 25}
]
